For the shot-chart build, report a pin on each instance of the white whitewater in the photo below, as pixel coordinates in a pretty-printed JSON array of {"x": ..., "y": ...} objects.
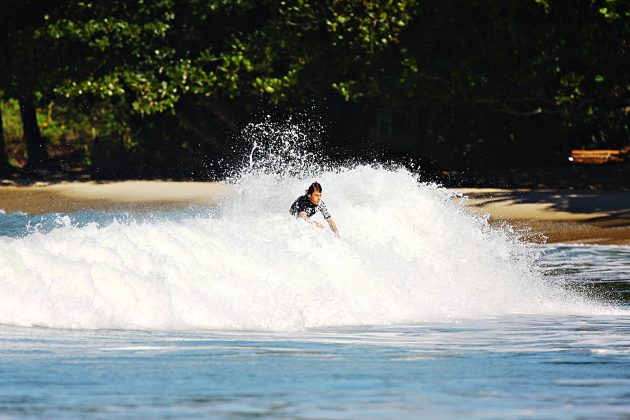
[{"x": 408, "y": 254}]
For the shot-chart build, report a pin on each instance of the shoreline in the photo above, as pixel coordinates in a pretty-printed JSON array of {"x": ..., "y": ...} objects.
[
  {"x": 554, "y": 216},
  {"x": 587, "y": 217},
  {"x": 116, "y": 195}
]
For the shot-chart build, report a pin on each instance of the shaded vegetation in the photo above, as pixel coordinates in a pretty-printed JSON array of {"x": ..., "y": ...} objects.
[{"x": 162, "y": 88}]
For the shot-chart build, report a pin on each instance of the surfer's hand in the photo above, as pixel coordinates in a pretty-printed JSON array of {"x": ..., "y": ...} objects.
[{"x": 317, "y": 224}]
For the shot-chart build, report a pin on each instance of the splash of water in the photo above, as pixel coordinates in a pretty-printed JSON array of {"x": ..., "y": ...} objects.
[
  {"x": 408, "y": 254},
  {"x": 282, "y": 149}
]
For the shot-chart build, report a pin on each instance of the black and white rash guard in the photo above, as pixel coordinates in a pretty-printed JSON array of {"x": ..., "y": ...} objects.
[{"x": 305, "y": 205}]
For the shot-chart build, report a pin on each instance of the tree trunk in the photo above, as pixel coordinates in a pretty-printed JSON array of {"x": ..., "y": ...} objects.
[
  {"x": 4, "y": 163},
  {"x": 35, "y": 146}
]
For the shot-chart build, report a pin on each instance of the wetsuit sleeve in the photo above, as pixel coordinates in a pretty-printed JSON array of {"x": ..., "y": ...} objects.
[
  {"x": 296, "y": 207},
  {"x": 324, "y": 210}
]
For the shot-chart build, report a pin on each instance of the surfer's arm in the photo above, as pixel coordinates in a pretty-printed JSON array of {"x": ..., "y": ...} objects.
[
  {"x": 303, "y": 215},
  {"x": 333, "y": 226},
  {"x": 328, "y": 218}
]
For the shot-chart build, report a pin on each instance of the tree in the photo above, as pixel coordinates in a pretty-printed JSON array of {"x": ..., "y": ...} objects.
[
  {"x": 4, "y": 164},
  {"x": 35, "y": 146},
  {"x": 161, "y": 55},
  {"x": 25, "y": 70},
  {"x": 483, "y": 77},
  {"x": 154, "y": 57},
  {"x": 468, "y": 77}
]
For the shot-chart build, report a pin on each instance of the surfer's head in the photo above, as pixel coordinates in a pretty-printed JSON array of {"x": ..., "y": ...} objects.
[{"x": 314, "y": 193}]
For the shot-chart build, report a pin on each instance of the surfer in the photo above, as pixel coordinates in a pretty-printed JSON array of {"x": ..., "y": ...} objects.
[{"x": 307, "y": 205}]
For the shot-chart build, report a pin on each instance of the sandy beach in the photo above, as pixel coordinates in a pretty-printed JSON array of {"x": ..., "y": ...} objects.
[
  {"x": 590, "y": 217},
  {"x": 120, "y": 195}
]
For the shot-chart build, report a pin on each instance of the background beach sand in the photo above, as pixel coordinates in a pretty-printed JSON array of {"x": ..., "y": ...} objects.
[
  {"x": 590, "y": 217},
  {"x": 118, "y": 195}
]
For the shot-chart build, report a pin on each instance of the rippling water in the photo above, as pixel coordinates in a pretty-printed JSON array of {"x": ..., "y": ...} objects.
[{"x": 520, "y": 366}]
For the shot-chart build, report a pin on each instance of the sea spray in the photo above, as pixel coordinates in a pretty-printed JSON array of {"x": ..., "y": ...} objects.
[{"x": 408, "y": 254}]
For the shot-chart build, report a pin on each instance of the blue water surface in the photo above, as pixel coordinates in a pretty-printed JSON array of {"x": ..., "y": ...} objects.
[
  {"x": 19, "y": 224},
  {"x": 518, "y": 367}
]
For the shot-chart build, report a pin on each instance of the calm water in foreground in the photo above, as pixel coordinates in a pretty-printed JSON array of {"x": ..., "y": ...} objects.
[{"x": 513, "y": 366}]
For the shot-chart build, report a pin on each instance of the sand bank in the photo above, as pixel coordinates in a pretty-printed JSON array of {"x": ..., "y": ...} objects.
[
  {"x": 601, "y": 217},
  {"x": 590, "y": 217},
  {"x": 122, "y": 195}
]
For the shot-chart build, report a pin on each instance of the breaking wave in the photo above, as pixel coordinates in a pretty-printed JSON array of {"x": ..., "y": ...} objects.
[{"x": 408, "y": 254}]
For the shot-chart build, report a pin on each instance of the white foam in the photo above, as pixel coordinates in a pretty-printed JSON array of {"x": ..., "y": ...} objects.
[{"x": 408, "y": 254}]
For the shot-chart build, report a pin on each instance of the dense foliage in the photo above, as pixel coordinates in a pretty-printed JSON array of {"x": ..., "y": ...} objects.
[{"x": 162, "y": 86}]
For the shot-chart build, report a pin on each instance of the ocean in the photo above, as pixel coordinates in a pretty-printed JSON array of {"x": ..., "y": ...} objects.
[{"x": 421, "y": 308}]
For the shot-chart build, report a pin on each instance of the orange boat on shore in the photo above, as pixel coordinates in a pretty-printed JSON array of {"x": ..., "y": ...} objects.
[{"x": 600, "y": 156}]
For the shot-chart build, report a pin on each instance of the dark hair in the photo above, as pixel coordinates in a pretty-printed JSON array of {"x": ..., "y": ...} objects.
[{"x": 314, "y": 187}]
